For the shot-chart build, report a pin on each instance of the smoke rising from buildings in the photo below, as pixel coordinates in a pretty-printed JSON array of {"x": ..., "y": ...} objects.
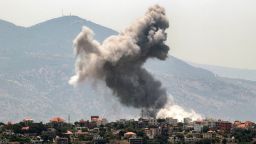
[
  {"x": 118, "y": 60},
  {"x": 175, "y": 111}
]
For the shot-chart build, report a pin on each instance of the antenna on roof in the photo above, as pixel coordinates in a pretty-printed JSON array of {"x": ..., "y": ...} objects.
[{"x": 142, "y": 113}]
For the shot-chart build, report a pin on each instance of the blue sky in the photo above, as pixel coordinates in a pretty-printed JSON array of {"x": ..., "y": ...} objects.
[{"x": 215, "y": 32}]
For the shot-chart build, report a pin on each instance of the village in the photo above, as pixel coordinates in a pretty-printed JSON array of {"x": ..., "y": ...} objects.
[{"x": 98, "y": 130}]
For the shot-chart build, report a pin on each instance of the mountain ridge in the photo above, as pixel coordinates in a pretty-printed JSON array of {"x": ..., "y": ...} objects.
[
  {"x": 239, "y": 73},
  {"x": 37, "y": 63}
]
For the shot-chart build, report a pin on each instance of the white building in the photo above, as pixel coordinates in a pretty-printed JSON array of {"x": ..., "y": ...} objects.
[
  {"x": 102, "y": 121},
  {"x": 198, "y": 126},
  {"x": 152, "y": 132},
  {"x": 191, "y": 140},
  {"x": 211, "y": 123},
  {"x": 187, "y": 120},
  {"x": 152, "y": 121}
]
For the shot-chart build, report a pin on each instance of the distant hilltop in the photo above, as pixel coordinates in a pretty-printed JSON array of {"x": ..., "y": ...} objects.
[{"x": 36, "y": 63}]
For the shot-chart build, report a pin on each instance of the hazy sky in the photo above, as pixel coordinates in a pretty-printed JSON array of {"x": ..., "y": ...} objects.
[{"x": 217, "y": 32}]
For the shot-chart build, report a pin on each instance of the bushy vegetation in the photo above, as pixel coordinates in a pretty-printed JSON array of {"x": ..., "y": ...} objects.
[{"x": 244, "y": 135}]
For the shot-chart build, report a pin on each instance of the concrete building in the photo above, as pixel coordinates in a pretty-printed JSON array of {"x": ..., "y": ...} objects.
[
  {"x": 152, "y": 121},
  {"x": 102, "y": 121},
  {"x": 209, "y": 135},
  {"x": 152, "y": 132},
  {"x": 94, "y": 118},
  {"x": 224, "y": 126},
  {"x": 191, "y": 140},
  {"x": 198, "y": 126},
  {"x": 187, "y": 120},
  {"x": 135, "y": 140},
  {"x": 171, "y": 121},
  {"x": 210, "y": 123},
  {"x": 61, "y": 140}
]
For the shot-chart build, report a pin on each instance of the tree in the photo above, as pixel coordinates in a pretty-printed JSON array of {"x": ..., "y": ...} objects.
[
  {"x": 48, "y": 135},
  {"x": 244, "y": 135},
  {"x": 37, "y": 128},
  {"x": 121, "y": 134},
  {"x": 17, "y": 128},
  {"x": 224, "y": 141},
  {"x": 102, "y": 131},
  {"x": 162, "y": 139},
  {"x": 15, "y": 138},
  {"x": 205, "y": 129},
  {"x": 204, "y": 141},
  {"x": 140, "y": 133}
]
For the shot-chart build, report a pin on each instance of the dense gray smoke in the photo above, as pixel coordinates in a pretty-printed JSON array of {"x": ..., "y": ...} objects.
[{"x": 118, "y": 60}]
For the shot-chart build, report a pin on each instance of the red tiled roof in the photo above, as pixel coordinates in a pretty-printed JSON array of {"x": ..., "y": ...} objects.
[
  {"x": 79, "y": 132},
  {"x": 249, "y": 122},
  {"x": 241, "y": 126},
  {"x": 25, "y": 128},
  {"x": 69, "y": 132},
  {"x": 82, "y": 121},
  {"x": 130, "y": 133}
]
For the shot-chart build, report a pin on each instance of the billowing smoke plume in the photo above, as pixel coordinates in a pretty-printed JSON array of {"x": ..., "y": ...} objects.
[
  {"x": 118, "y": 60},
  {"x": 175, "y": 111}
]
